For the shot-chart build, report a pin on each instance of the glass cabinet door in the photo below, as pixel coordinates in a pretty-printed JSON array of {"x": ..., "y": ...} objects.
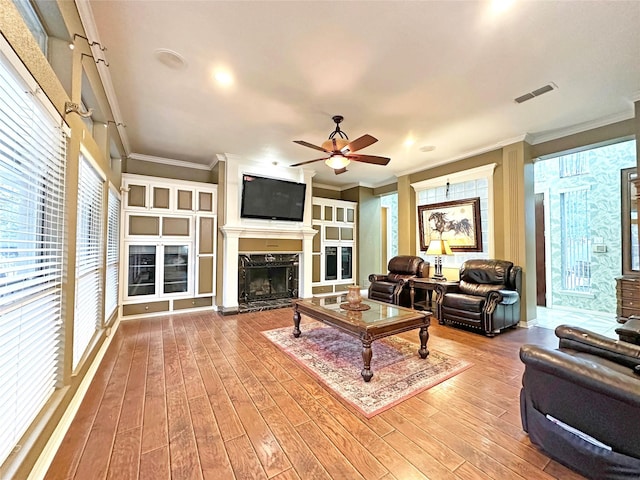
[
  {"x": 176, "y": 268},
  {"x": 347, "y": 267},
  {"x": 142, "y": 270},
  {"x": 331, "y": 263}
]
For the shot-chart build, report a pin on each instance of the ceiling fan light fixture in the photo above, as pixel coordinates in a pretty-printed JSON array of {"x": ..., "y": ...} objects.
[
  {"x": 341, "y": 150},
  {"x": 337, "y": 161},
  {"x": 340, "y": 144}
]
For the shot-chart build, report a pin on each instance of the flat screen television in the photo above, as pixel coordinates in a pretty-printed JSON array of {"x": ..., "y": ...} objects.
[{"x": 272, "y": 199}]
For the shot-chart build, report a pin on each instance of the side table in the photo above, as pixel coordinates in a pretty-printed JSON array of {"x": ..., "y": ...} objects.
[{"x": 428, "y": 284}]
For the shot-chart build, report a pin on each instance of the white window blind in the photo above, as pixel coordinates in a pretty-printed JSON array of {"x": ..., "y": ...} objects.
[
  {"x": 89, "y": 261},
  {"x": 32, "y": 169},
  {"x": 113, "y": 254}
]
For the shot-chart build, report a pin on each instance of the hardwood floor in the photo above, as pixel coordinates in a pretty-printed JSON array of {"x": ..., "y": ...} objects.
[{"x": 202, "y": 396}]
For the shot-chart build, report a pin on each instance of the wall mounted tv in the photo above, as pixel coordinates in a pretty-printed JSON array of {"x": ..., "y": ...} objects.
[{"x": 272, "y": 199}]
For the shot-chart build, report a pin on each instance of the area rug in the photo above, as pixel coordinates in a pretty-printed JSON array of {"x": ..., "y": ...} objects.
[{"x": 335, "y": 358}]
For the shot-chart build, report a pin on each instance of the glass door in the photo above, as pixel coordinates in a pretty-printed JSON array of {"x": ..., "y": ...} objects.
[
  {"x": 176, "y": 268},
  {"x": 331, "y": 263},
  {"x": 347, "y": 266},
  {"x": 142, "y": 270}
]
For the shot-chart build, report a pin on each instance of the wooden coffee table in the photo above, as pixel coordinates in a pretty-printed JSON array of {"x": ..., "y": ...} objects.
[{"x": 381, "y": 320}]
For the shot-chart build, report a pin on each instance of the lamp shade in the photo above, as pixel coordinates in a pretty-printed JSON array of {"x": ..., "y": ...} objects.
[
  {"x": 337, "y": 161},
  {"x": 439, "y": 247}
]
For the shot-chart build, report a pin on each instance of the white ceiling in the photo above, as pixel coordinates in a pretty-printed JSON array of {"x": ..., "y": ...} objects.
[{"x": 444, "y": 73}]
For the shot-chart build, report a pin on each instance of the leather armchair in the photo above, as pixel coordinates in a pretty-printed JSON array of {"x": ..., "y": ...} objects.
[
  {"x": 590, "y": 383},
  {"x": 393, "y": 287},
  {"x": 487, "y": 297}
]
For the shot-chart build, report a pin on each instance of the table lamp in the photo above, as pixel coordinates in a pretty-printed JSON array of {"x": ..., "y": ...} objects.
[{"x": 439, "y": 247}]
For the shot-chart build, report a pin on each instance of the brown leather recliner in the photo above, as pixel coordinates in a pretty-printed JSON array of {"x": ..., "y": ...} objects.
[
  {"x": 487, "y": 297},
  {"x": 393, "y": 287},
  {"x": 580, "y": 403}
]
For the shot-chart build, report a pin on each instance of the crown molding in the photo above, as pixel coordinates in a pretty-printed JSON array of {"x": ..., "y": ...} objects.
[
  {"x": 581, "y": 127},
  {"x": 335, "y": 188},
  {"x": 484, "y": 171},
  {"x": 471, "y": 153},
  {"x": 169, "y": 161}
]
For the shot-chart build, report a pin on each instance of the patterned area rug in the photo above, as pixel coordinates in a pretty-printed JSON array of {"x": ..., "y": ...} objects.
[{"x": 335, "y": 358}]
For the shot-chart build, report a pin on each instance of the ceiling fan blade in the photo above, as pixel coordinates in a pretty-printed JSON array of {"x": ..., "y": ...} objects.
[
  {"x": 338, "y": 171},
  {"x": 310, "y": 145},
  {"x": 308, "y": 161},
  {"x": 369, "y": 159},
  {"x": 359, "y": 143}
]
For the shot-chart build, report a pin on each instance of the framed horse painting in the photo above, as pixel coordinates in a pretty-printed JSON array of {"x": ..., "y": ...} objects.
[{"x": 457, "y": 221}]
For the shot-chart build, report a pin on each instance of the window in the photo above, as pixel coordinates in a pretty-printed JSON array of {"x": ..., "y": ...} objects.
[
  {"x": 574, "y": 164},
  {"x": 31, "y": 18},
  {"x": 113, "y": 254},
  {"x": 390, "y": 202},
  {"x": 468, "y": 188},
  {"x": 575, "y": 241},
  {"x": 32, "y": 170},
  {"x": 89, "y": 262}
]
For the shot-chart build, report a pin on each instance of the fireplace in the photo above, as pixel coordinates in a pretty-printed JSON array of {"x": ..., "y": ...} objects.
[{"x": 267, "y": 280}]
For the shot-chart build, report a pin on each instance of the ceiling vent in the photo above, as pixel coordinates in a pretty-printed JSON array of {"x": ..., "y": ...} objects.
[{"x": 536, "y": 93}]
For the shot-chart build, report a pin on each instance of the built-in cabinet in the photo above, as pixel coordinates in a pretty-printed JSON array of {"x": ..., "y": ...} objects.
[
  {"x": 169, "y": 242},
  {"x": 334, "y": 246},
  {"x": 628, "y": 284}
]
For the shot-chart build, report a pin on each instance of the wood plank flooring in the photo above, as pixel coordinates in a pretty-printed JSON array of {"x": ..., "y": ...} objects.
[{"x": 205, "y": 396}]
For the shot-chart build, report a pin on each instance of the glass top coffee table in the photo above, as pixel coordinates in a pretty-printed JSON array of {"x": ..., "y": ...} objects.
[{"x": 380, "y": 320}]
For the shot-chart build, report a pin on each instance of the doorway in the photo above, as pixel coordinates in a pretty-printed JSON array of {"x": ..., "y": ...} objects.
[
  {"x": 578, "y": 234},
  {"x": 541, "y": 270}
]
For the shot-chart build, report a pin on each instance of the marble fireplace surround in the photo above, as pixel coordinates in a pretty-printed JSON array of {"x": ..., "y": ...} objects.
[{"x": 268, "y": 233}]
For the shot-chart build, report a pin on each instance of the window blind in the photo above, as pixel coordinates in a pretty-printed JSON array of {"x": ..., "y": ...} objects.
[
  {"x": 113, "y": 254},
  {"x": 89, "y": 260},
  {"x": 32, "y": 170}
]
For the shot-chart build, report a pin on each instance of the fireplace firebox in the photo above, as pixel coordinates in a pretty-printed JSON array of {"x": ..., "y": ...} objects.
[{"x": 264, "y": 280}]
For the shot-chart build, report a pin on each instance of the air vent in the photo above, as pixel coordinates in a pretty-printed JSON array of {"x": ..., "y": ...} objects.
[{"x": 536, "y": 93}]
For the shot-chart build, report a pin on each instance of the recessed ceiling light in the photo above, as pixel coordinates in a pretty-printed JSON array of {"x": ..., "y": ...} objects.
[
  {"x": 224, "y": 78},
  {"x": 170, "y": 59},
  {"x": 409, "y": 142},
  {"x": 500, "y": 6},
  {"x": 427, "y": 148}
]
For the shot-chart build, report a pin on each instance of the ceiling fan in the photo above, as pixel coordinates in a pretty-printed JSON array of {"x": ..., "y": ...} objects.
[{"x": 340, "y": 150}]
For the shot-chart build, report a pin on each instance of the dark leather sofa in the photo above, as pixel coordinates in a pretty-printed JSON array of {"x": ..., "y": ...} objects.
[
  {"x": 487, "y": 297},
  {"x": 392, "y": 287},
  {"x": 590, "y": 383}
]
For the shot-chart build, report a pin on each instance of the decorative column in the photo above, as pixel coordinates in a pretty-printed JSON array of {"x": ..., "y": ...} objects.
[{"x": 518, "y": 218}]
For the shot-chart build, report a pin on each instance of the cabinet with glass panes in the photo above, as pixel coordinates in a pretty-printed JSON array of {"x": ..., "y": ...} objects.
[
  {"x": 169, "y": 241},
  {"x": 334, "y": 245},
  {"x": 154, "y": 270}
]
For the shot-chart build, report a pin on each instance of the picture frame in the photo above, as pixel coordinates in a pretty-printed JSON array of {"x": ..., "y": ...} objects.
[{"x": 457, "y": 222}]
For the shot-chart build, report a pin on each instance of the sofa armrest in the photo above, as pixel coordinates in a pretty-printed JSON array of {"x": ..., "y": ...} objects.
[
  {"x": 423, "y": 271},
  {"x": 583, "y": 340},
  {"x": 446, "y": 287},
  {"x": 509, "y": 297},
  {"x": 375, "y": 277},
  {"x": 583, "y": 372},
  {"x": 630, "y": 330}
]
